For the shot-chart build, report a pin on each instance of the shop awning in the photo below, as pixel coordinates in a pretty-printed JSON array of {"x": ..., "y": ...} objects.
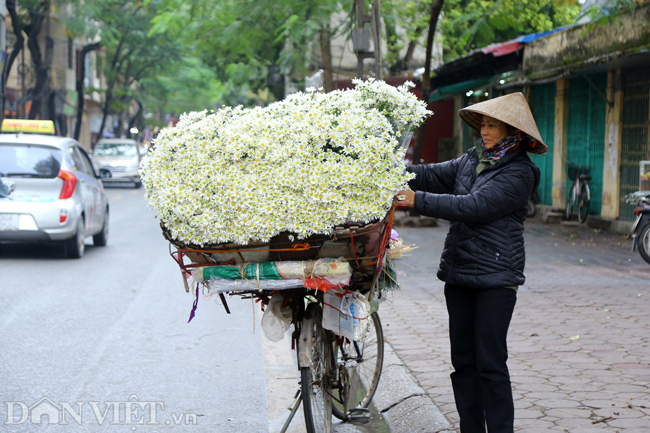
[
  {"x": 498, "y": 50},
  {"x": 446, "y": 92}
]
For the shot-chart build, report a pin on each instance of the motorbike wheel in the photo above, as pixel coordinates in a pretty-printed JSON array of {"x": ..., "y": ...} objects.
[{"x": 644, "y": 243}]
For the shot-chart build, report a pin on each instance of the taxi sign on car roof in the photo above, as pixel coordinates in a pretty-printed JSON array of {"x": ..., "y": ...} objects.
[{"x": 28, "y": 126}]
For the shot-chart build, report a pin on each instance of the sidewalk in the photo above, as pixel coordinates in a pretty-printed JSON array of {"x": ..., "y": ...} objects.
[{"x": 579, "y": 341}]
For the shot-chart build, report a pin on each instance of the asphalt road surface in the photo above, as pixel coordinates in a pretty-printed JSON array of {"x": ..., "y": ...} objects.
[{"x": 104, "y": 340}]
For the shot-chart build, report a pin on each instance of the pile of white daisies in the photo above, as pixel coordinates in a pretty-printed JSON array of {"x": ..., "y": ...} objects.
[{"x": 302, "y": 165}]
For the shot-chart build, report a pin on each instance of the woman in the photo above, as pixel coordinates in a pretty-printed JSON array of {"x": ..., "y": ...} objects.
[{"x": 484, "y": 194}]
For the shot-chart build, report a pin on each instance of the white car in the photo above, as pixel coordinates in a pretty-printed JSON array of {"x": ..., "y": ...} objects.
[
  {"x": 117, "y": 160},
  {"x": 57, "y": 196}
]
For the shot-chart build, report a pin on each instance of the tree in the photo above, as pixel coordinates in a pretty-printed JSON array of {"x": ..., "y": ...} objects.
[
  {"x": 604, "y": 12},
  {"x": 130, "y": 54},
  {"x": 253, "y": 44},
  {"x": 473, "y": 24},
  {"x": 36, "y": 13},
  {"x": 436, "y": 8},
  {"x": 18, "y": 45},
  {"x": 405, "y": 21},
  {"x": 86, "y": 20},
  {"x": 28, "y": 18}
]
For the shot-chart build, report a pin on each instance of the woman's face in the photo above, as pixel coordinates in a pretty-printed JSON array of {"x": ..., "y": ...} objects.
[{"x": 492, "y": 131}]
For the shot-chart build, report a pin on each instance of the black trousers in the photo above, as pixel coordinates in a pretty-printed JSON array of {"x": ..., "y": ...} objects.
[{"x": 478, "y": 327}]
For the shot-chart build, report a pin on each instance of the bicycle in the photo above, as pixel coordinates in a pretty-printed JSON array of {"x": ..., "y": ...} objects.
[
  {"x": 338, "y": 377},
  {"x": 579, "y": 194}
]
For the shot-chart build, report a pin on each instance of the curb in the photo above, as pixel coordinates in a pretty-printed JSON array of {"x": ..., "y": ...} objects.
[{"x": 404, "y": 405}]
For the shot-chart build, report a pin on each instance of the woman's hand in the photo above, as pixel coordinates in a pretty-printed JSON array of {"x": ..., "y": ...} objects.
[{"x": 404, "y": 198}]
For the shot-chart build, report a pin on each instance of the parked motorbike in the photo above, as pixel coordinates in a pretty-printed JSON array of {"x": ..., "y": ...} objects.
[{"x": 641, "y": 227}]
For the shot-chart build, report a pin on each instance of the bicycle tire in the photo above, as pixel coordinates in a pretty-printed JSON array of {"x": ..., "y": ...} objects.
[
  {"x": 532, "y": 209},
  {"x": 316, "y": 383},
  {"x": 644, "y": 243},
  {"x": 583, "y": 202},
  {"x": 363, "y": 363},
  {"x": 568, "y": 212}
]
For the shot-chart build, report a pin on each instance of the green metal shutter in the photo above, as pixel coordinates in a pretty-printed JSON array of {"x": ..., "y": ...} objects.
[
  {"x": 586, "y": 131},
  {"x": 634, "y": 145},
  {"x": 544, "y": 112}
]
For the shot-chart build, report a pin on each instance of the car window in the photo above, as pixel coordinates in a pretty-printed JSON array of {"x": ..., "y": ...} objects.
[
  {"x": 86, "y": 161},
  {"x": 29, "y": 160},
  {"x": 78, "y": 165},
  {"x": 116, "y": 149}
]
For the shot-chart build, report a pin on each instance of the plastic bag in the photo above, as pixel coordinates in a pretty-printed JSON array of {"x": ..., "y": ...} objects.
[
  {"x": 322, "y": 274},
  {"x": 220, "y": 285},
  {"x": 276, "y": 320},
  {"x": 346, "y": 314}
]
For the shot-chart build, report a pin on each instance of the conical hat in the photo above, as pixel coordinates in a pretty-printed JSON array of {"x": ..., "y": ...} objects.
[{"x": 511, "y": 109}]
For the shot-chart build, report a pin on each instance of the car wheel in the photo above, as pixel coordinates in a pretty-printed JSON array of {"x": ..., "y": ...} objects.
[
  {"x": 138, "y": 185},
  {"x": 75, "y": 247},
  {"x": 101, "y": 238}
]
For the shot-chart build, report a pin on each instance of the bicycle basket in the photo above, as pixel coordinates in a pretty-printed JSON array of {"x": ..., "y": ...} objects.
[{"x": 574, "y": 169}]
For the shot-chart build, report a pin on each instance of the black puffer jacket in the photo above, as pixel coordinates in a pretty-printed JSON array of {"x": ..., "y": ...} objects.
[{"x": 485, "y": 244}]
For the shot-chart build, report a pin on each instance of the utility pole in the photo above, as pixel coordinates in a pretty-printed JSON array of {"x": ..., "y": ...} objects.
[{"x": 361, "y": 36}]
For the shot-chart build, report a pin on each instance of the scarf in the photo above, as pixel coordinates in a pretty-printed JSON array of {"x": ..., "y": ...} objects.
[{"x": 504, "y": 146}]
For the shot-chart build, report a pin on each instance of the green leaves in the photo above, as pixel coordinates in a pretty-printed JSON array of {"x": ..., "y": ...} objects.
[
  {"x": 605, "y": 12},
  {"x": 471, "y": 24}
]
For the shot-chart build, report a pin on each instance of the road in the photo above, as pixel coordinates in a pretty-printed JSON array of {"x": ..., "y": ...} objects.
[{"x": 112, "y": 327}]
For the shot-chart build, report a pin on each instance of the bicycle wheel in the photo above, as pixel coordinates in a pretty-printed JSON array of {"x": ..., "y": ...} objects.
[
  {"x": 532, "y": 209},
  {"x": 362, "y": 362},
  {"x": 570, "y": 202},
  {"x": 316, "y": 382},
  {"x": 644, "y": 243},
  {"x": 583, "y": 202}
]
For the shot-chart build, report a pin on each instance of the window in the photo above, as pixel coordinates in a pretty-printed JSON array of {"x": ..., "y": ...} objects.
[
  {"x": 86, "y": 161},
  {"x": 78, "y": 165},
  {"x": 26, "y": 160}
]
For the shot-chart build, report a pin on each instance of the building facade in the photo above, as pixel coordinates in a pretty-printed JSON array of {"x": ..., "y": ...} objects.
[{"x": 589, "y": 90}]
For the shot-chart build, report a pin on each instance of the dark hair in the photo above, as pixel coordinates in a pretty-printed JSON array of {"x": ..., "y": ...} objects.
[{"x": 511, "y": 130}]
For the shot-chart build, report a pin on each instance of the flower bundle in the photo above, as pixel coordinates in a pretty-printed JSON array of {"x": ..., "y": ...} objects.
[{"x": 302, "y": 165}]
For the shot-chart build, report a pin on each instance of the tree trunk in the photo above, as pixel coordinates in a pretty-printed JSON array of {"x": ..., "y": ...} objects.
[
  {"x": 411, "y": 49},
  {"x": 41, "y": 67},
  {"x": 326, "y": 55},
  {"x": 107, "y": 104},
  {"x": 81, "y": 68},
  {"x": 18, "y": 45},
  {"x": 135, "y": 118},
  {"x": 426, "y": 76}
]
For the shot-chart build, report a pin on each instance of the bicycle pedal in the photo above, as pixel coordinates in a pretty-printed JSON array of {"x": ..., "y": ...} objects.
[{"x": 359, "y": 415}]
